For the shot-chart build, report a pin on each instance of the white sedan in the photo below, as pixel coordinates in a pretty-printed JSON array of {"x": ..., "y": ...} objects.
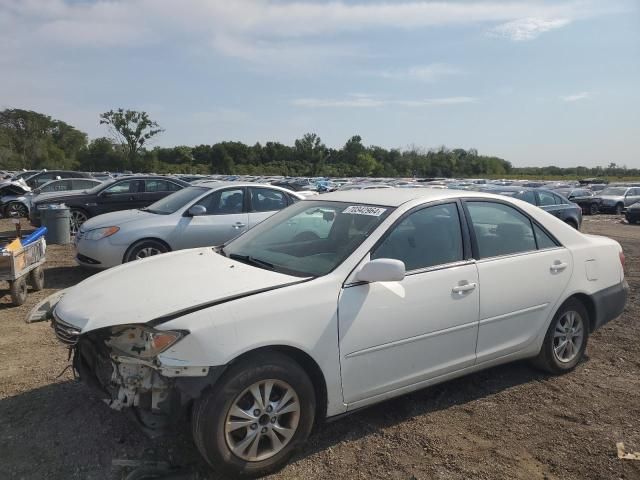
[
  {"x": 210, "y": 213},
  {"x": 334, "y": 304}
]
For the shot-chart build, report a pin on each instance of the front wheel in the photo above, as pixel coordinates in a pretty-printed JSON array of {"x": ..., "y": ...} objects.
[
  {"x": 566, "y": 339},
  {"x": 144, "y": 249},
  {"x": 77, "y": 218},
  {"x": 593, "y": 209},
  {"x": 619, "y": 208},
  {"x": 18, "y": 289},
  {"x": 16, "y": 210},
  {"x": 257, "y": 415}
]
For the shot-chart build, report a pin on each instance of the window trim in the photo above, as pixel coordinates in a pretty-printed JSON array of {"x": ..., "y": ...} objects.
[
  {"x": 251, "y": 209},
  {"x": 474, "y": 241}
]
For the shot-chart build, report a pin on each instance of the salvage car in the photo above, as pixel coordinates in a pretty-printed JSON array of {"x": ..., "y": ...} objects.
[
  {"x": 121, "y": 194},
  {"x": 549, "y": 201},
  {"x": 208, "y": 214},
  {"x": 615, "y": 199},
  {"x": 396, "y": 290},
  {"x": 632, "y": 214},
  {"x": 583, "y": 197}
]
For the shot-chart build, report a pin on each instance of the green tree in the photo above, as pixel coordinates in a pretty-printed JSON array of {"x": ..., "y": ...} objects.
[{"x": 132, "y": 129}]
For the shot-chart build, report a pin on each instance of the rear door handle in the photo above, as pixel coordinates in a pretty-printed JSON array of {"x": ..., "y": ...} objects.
[
  {"x": 239, "y": 225},
  {"x": 558, "y": 266},
  {"x": 464, "y": 288}
]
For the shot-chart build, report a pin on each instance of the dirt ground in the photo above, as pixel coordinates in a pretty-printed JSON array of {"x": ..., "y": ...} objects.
[{"x": 510, "y": 422}]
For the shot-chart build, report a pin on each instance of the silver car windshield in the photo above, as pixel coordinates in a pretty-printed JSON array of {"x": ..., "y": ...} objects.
[
  {"x": 175, "y": 201},
  {"x": 307, "y": 239}
]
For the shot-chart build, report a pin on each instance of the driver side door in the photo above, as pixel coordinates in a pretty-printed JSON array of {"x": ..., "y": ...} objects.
[
  {"x": 121, "y": 195},
  {"x": 394, "y": 335},
  {"x": 225, "y": 219}
]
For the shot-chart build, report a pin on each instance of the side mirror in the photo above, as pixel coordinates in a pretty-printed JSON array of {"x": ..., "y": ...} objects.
[
  {"x": 382, "y": 270},
  {"x": 197, "y": 211}
]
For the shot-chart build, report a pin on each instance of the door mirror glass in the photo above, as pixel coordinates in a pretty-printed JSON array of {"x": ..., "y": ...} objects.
[
  {"x": 197, "y": 211},
  {"x": 382, "y": 270}
]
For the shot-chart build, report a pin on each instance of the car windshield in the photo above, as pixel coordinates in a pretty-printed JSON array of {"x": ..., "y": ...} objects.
[
  {"x": 614, "y": 191},
  {"x": 175, "y": 201},
  {"x": 307, "y": 239}
]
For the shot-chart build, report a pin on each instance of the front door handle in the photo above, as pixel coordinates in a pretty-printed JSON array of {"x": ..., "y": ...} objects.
[
  {"x": 464, "y": 287},
  {"x": 558, "y": 266},
  {"x": 239, "y": 225}
]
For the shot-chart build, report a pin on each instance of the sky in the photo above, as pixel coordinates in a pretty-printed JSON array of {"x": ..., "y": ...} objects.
[{"x": 534, "y": 82}]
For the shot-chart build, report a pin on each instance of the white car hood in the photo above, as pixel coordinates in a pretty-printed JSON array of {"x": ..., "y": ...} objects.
[{"x": 144, "y": 290}]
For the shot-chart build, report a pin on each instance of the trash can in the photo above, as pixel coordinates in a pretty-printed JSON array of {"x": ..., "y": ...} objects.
[{"x": 57, "y": 219}]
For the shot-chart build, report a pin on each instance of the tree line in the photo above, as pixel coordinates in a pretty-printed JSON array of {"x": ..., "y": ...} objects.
[{"x": 32, "y": 140}]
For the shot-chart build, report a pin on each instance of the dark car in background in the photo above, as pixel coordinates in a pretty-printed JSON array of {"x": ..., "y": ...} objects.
[
  {"x": 39, "y": 179},
  {"x": 633, "y": 213},
  {"x": 124, "y": 193},
  {"x": 584, "y": 197},
  {"x": 547, "y": 200}
]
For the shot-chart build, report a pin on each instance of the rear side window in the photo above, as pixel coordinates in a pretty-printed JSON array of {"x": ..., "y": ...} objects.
[
  {"x": 126, "y": 186},
  {"x": 543, "y": 240},
  {"x": 425, "y": 238},
  {"x": 560, "y": 200},
  {"x": 267, "y": 199},
  {"x": 160, "y": 186},
  {"x": 500, "y": 229},
  {"x": 526, "y": 195},
  {"x": 59, "y": 186},
  {"x": 546, "y": 198}
]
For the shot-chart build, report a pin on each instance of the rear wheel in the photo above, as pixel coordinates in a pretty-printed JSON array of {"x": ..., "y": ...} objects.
[
  {"x": 593, "y": 209},
  {"x": 619, "y": 208},
  {"x": 19, "y": 291},
  {"x": 36, "y": 278},
  {"x": 256, "y": 416},
  {"x": 566, "y": 339},
  {"x": 78, "y": 217},
  {"x": 572, "y": 223},
  {"x": 144, "y": 249}
]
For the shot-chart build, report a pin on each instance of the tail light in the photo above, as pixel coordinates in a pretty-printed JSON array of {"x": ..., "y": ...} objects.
[{"x": 622, "y": 259}]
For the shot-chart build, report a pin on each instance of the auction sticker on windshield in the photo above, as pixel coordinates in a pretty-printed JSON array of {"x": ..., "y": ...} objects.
[{"x": 362, "y": 210}]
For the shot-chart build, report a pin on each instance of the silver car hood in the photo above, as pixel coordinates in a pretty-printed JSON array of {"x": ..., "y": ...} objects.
[{"x": 165, "y": 285}]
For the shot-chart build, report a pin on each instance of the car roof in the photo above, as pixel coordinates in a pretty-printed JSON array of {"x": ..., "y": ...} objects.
[{"x": 394, "y": 197}]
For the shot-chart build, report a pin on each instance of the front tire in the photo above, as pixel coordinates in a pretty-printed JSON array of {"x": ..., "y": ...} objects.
[
  {"x": 16, "y": 210},
  {"x": 18, "y": 289},
  {"x": 593, "y": 209},
  {"x": 566, "y": 339},
  {"x": 144, "y": 249},
  {"x": 77, "y": 218},
  {"x": 256, "y": 416},
  {"x": 36, "y": 278},
  {"x": 619, "y": 208}
]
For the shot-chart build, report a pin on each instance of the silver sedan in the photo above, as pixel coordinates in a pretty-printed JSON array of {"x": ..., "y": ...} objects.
[{"x": 197, "y": 216}]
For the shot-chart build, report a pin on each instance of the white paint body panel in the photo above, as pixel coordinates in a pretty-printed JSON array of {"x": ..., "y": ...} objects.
[{"x": 428, "y": 336}]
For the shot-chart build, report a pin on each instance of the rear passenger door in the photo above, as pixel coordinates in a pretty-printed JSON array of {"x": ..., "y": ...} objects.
[
  {"x": 264, "y": 202},
  {"x": 522, "y": 273}
]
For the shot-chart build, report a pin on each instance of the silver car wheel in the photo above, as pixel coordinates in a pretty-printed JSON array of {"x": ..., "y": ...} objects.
[
  {"x": 147, "y": 252},
  {"x": 568, "y": 337},
  {"x": 262, "y": 420},
  {"x": 77, "y": 219}
]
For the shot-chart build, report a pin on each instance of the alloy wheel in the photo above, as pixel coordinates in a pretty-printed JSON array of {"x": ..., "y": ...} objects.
[
  {"x": 568, "y": 337},
  {"x": 147, "y": 252},
  {"x": 76, "y": 221},
  {"x": 17, "y": 210},
  {"x": 262, "y": 420}
]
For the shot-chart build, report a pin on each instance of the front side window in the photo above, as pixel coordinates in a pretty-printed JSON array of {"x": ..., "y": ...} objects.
[
  {"x": 500, "y": 229},
  {"x": 224, "y": 202},
  {"x": 267, "y": 199},
  {"x": 425, "y": 238},
  {"x": 308, "y": 239}
]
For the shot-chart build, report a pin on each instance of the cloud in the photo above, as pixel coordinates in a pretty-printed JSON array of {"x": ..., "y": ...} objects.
[
  {"x": 527, "y": 28},
  {"x": 423, "y": 73},
  {"x": 361, "y": 101},
  {"x": 252, "y": 29},
  {"x": 576, "y": 97}
]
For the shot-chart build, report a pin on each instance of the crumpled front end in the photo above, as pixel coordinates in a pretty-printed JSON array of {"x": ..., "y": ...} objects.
[{"x": 155, "y": 394}]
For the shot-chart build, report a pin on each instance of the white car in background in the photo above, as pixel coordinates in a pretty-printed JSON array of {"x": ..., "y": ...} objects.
[
  {"x": 333, "y": 304},
  {"x": 210, "y": 213}
]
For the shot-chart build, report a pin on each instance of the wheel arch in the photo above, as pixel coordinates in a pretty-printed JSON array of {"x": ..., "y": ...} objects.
[
  {"x": 308, "y": 364},
  {"x": 12, "y": 202},
  {"x": 588, "y": 304},
  {"x": 145, "y": 239}
]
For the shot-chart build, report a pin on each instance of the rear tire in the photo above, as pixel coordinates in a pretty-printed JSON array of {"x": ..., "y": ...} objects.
[
  {"x": 619, "y": 208},
  {"x": 593, "y": 209},
  {"x": 227, "y": 417},
  {"x": 19, "y": 291},
  {"x": 144, "y": 249},
  {"x": 566, "y": 339},
  {"x": 36, "y": 278}
]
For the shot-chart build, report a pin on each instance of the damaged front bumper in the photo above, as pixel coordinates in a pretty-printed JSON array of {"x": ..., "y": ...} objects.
[{"x": 156, "y": 395}]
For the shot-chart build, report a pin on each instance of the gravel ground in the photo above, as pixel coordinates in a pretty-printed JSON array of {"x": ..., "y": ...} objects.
[{"x": 509, "y": 422}]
